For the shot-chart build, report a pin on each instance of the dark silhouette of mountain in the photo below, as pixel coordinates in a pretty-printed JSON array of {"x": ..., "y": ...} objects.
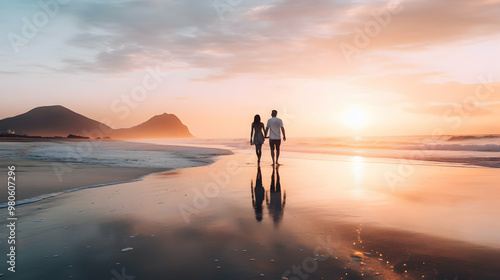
[
  {"x": 49, "y": 121},
  {"x": 160, "y": 126}
]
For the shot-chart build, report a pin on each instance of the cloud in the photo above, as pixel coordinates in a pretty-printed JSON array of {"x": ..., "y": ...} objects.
[
  {"x": 422, "y": 24},
  {"x": 292, "y": 38},
  {"x": 8, "y": 73}
]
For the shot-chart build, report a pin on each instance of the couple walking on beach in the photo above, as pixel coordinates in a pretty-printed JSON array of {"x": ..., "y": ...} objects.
[{"x": 259, "y": 133}]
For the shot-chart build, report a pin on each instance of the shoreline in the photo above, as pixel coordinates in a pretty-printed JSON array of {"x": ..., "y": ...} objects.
[
  {"x": 482, "y": 159},
  {"x": 39, "y": 179},
  {"x": 412, "y": 157},
  {"x": 101, "y": 175}
]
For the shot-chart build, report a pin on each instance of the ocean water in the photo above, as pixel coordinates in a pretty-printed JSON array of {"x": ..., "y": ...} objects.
[
  {"x": 118, "y": 154},
  {"x": 470, "y": 150}
]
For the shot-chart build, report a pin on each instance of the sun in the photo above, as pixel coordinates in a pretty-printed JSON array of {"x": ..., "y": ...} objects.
[{"x": 355, "y": 118}]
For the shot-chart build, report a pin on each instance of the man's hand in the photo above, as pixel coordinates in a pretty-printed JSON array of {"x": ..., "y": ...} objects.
[
  {"x": 251, "y": 142},
  {"x": 284, "y": 138}
]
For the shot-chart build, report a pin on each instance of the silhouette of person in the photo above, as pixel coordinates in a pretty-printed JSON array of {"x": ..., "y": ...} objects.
[
  {"x": 257, "y": 132},
  {"x": 275, "y": 125},
  {"x": 273, "y": 201},
  {"x": 257, "y": 195}
]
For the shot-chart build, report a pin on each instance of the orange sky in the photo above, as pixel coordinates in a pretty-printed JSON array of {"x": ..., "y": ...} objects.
[{"x": 395, "y": 67}]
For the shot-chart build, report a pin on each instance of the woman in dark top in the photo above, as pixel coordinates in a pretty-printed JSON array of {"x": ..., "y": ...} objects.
[{"x": 257, "y": 136}]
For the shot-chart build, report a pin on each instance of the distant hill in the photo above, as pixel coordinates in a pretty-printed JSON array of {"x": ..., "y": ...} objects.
[
  {"x": 51, "y": 121},
  {"x": 48, "y": 121},
  {"x": 160, "y": 126}
]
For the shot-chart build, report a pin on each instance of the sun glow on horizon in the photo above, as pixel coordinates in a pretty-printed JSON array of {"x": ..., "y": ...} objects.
[{"x": 355, "y": 118}]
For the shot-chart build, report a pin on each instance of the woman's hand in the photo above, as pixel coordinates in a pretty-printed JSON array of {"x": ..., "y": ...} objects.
[{"x": 251, "y": 142}]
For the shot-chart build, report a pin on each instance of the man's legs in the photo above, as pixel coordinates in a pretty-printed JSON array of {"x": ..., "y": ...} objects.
[
  {"x": 275, "y": 144},
  {"x": 271, "y": 144},
  {"x": 278, "y": 144}
]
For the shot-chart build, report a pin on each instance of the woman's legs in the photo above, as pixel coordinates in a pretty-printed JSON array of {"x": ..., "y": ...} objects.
[{"x": 258, "y": 151}]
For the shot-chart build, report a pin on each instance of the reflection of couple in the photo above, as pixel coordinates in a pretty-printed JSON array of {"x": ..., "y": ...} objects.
[
  {"x": 273, "y": 197},
  {"x": 259, "y": 133},
  {"x": 258, "y": 195}
]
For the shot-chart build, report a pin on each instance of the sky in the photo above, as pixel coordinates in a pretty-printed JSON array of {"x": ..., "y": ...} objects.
[{"x": 330, "y": 67}]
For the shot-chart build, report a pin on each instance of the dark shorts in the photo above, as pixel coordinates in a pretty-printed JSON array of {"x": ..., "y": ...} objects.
[{"x": 274, "y": 144}]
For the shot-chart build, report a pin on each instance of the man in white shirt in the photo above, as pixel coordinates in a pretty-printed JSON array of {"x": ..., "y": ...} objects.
[{"x": 276, "y": 126}]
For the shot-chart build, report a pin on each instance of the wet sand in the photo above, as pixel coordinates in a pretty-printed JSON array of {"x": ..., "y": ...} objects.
[
  {"x": 36, "y": 178},
  {"x": 310, "y": 219},
  {"x": 41, "y": 177}
]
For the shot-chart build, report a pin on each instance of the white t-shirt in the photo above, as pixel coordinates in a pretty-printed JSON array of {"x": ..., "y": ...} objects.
[{"x": 275, "y": 125}]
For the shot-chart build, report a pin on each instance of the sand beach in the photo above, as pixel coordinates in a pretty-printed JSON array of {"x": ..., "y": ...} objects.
[{"x": 334, "y": 218}]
